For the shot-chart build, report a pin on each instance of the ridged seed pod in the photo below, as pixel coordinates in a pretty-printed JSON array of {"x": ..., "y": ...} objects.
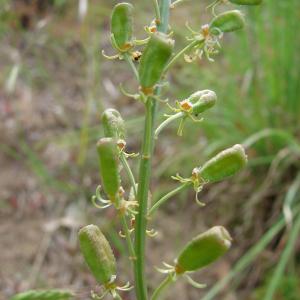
[
  {"x": 154, "y": 59},
  {"x": 246, "y": 2},
  {"x": 204, "y": 249},
  {"x": 113, "y": 124},
  {"x": 202, "y": 101},
  {"x": 122, "y": 25},
  {"x": 44, "y": 295},
  {"x": 109, "y": 166},
  {"x": 224, "y": 164},
  {"x": 226, "y": 22},
  {"x": 97, "y": 253}
]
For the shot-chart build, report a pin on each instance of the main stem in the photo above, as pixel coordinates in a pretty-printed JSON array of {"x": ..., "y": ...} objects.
[
  {"x": 142, "y": 196},
  {"x": 145, "y": 175}
]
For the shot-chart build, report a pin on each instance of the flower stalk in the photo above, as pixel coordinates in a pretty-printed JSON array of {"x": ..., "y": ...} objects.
[
  {"x": 162, "y": 287},
  {"x": 145, "y": 175}
]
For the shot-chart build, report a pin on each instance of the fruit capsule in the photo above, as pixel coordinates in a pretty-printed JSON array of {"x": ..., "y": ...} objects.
[
  {"x": 154, "y": 59},
  {"x": 224, "y": 164},
  {"x": 226, "y": 22},
  {"x": 203, "y": 250},
  {"x": 202, "y": 101},
  {"x": 113, "y": 124},
  {"x": 97, "y": 253},
  {"x": 121, "y": 26},
  {"x": 108, "y": 154}
]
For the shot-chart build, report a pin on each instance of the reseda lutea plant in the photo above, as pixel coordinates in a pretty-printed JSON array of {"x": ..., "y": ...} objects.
[
  {"x": 150, "y": 59},
  {"x": 155, "y": 56}
]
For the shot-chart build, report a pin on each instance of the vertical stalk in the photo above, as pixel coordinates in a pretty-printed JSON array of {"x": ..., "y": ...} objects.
[
  {"x": 157, "y": 11},
  {"x": 126, "y": 230},
  {"x": 127, "y": 237},
  {"x": 131, "y": 64},
  {"x": 129, "y": 173},
  {"x": 164, "y": 15},
  {"x": 142, "y": 196},
  {"x": 145, "y": 175}
]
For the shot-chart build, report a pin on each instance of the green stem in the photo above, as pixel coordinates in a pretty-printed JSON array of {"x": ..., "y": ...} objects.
[
  {"x": 164, "y": 13},
  {"x": 129, "y": 173},
  {"x": 142, "y": 196},
  {"x": 187, "y": 48},
  {"x": 132, "y": 65},
  {"x": 144, "y": 177},
  {"x": 157, "y": 11},
  {"x": 164, "y": 284},
  {"x": 166, "y": 197},
  {"x": 125, "y": 229},
  {"x": 167, "y": 122},
  {"x": 128, "y": 237}
]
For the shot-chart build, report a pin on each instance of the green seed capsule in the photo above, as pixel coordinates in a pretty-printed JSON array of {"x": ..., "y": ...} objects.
[
  {"x": 204, "y": 249},
  {"x": 154, "y": 59},
  {"x": 44, "y": 295},
  {"x": 113, "y": 124},
  {"x": 227, "y": 22},
  {"x": 109, "y": 166},
  {"x": 121, "y": 25},
  {"x": 224, "y": 164},
  {"x": 246, "y": 2},
  {"x": 202, "y": 101},
  {"x": 97, "y": 253}
]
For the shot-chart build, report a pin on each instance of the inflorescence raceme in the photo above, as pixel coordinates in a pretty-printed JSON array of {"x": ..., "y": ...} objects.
[{"x": 150, "y": 59}]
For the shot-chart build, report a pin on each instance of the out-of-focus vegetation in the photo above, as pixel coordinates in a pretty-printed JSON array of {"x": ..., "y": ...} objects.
[{"x": 54, "y": 85}]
